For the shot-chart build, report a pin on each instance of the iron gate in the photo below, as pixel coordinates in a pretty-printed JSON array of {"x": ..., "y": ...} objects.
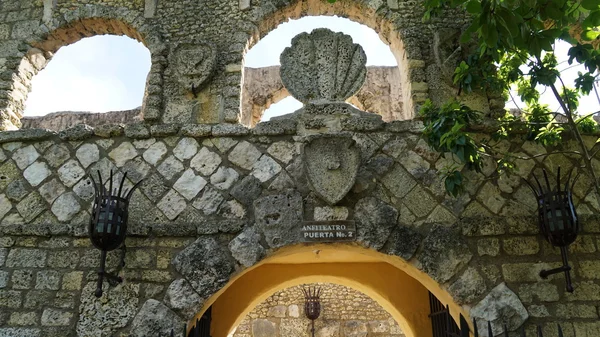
[
  {"x": 202, "y": 326},
  {"x": 442, "y": 324}
]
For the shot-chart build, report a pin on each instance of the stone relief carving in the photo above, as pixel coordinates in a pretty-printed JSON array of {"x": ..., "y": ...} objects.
[
  {"x": 323, "y": 66},
  {"x": 331, "y": 165},
  {"x": 195, "y": 65}
]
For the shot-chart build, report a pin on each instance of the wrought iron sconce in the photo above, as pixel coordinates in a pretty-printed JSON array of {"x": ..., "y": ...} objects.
[
  {"x": 312, "y": 305},
  {"x": 557, "y": 219},
  {"x": 108, "y": 225}
]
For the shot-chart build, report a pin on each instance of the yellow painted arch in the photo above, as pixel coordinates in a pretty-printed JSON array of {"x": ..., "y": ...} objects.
[{"x": 400, "y": 288}]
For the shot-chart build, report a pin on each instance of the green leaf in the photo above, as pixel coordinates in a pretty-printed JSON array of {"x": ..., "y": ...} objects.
[
  {"x": 592, "y": 21},
  {"x": 473, "y": 6},
  {"x": 590, "y": 4},
  {"x": 510, "y": 20},
  {"x": 589, "y": 35}
]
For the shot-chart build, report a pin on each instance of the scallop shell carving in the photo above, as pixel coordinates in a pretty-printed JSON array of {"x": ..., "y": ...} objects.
[{"x": 323, "y": 66}]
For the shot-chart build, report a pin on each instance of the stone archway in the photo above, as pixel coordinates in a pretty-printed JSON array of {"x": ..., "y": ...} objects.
[
  {"x": 39, "y": 40},
  {"x": 411, "y": 61},
  {"x": 397, "y": 286}
]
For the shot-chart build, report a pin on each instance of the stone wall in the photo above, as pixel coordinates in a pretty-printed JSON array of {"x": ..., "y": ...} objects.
[
  {"x": 218, "y": 198},
  {"x": 381, "y": 93},
  {"x": 58, "y": 121},
  {"x": 345, "y": 312},
  {"x": 207, "y": 192},
  {"x": 197, "y": 48}
]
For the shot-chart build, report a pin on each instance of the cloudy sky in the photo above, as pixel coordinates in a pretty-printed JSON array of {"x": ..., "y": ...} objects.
[{"x": 108, "y": 73}]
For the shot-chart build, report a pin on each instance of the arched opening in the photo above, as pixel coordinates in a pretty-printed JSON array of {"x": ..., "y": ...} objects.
[
  {"x": 388, "y": 90},
  {"x": 343, "y": 311},
  {"x": 42, "y": 48},
  {"x": 400, "y": 288},
  {"x": 96, "y": 74}
]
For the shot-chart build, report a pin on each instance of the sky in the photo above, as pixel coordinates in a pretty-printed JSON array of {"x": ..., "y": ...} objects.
[{"x": 108, "y": 73}]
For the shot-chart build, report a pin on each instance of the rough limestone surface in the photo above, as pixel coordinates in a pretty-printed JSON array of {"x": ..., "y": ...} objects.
[
  {"x": 246, "y": 247},
  {"x": 375, "y": 221},
  {"x": 501, "y": 306},
  {"x": 277, "y": 217},
  {"x": 182, "y": 298},
  {"x": 155, "y": 319},
  {"x": 444, "y": 253},
  {"x": 263, "y": 328},
  {"x": 104, "y": 316},
  {"x": 205, "y": 264},
  {"x": 88, "y": 154},
  {"x": 468, "y": 287},
  {"x": 66, "y": 207},
  {"x": 403, "y": 242},
  {"x": 191, "y": 119},
  {"x": 307, "y": 71}
]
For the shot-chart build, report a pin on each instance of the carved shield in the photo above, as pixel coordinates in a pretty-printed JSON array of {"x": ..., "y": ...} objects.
[{"x": 331, "y": 164}]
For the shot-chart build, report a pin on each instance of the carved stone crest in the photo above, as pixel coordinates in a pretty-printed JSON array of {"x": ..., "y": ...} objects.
[
  {"x": 331, "y": 165},
  {"x": 195, "y": 65}
]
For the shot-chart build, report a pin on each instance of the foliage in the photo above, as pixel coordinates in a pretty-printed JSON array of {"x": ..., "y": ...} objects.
[
  {"x": 520, "y": 37},
  {"x": 445, "y": 130},
  {"x": 511, "y": 44}
]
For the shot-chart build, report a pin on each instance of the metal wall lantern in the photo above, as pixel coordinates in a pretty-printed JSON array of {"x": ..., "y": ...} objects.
[
  {"x": 557, "y": 219},
  {"x": 312, "y": 305},
  {"x": 108, "y": 225}
]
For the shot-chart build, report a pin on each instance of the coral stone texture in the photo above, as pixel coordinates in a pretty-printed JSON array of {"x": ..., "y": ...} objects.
[
  {"x": 219, "y": 201},
  {"x": 323, "y": 66}
]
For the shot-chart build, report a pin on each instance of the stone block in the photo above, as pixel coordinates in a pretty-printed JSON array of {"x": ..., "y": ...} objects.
[
  {"x": 540, "y": 291},
  {"x": 205, "y": 264},
  {"x": 186, "y": 148},
  {"x": 574, "y": 311},
  {"x": 22, "y": 279},
  {"x": 182, "y": 298},
  {"x": 469, "y": 286},
  {"x": 205, "y": 162},
  {"x": 20, "y": 332},
  {"x": 521, "y": 245},
  {"x": 189, "y": 184},
  {"x": 246, "y": 247},
  {"x": 23, "y": 319},
  {"x": 36, "y": 173},
  {"x": 277, "y": 217},
  {"x": 263, "y": 328},
  {"x": 72, "y": 280},
  {"x": 355, "y": 329},
  {"x": 140, "y": 258},
  {"x": 490, "y": 247},
  {"x": 444, "y": 253},
  {"x": 154, "y": 319},
  {"x": 113, "y": 311},
  {"x": 47, "y": 280},
  {"x": 26, "y": 258},
  {"x": 501, "y": 306},
  {"x": 10, "y": 299},
  {"x": 244, "y": 155}
]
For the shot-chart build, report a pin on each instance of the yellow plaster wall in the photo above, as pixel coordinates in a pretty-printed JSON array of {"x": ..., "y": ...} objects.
[{"x": 398, "y": 287}]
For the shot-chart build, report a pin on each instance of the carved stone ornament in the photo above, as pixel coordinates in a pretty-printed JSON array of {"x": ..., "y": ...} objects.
[
  {"x": 331, "y": 165},
  {"x": 323, "y": 67},
  {"x": 195, "y": 65}
]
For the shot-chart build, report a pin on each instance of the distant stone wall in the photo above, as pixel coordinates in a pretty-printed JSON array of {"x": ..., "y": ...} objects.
[
  {"x": 58, "y": 121},
  {"x": 345, "y": 312},
  {"x": 381, "y": 93}
]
